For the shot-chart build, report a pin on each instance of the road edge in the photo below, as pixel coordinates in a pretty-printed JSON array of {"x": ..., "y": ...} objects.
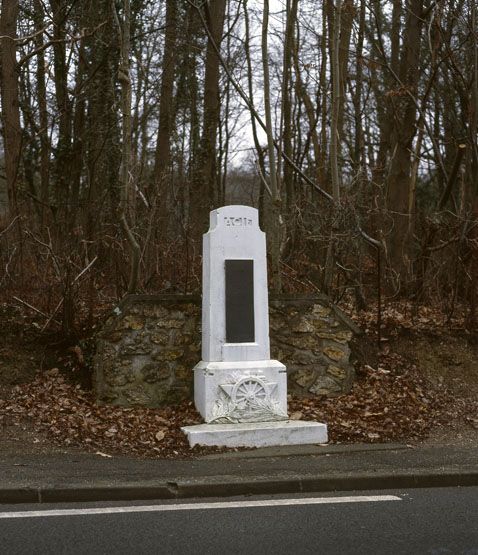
[{"x": 182, "y": 489}]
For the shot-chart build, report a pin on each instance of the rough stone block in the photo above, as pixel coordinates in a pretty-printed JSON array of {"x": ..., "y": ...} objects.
[{"x": 123, "y": 352}]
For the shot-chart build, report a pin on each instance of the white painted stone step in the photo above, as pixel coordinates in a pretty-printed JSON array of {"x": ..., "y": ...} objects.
[{"x": 257, "y": 434}]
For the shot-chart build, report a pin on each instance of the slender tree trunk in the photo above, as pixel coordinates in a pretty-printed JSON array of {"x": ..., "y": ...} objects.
[
  {"x": 395, "y": 35},
  {"x": 385, "y": 109},
  {"x": 274, "y": 230},
  {"x": 206, "y": 194},
  {"x": 359, "y": 154},
  {"x": 78, "y": 139},
  {"x": 404, "y": 130},
  {"x": 102, "y": 129},
  {"x": 250, "y": 91},
  {"x": 125, "y": 173},
  {"x": 412, "y": 190},
  {"x": 322, "y": 163},
  {"x": 163, "y": 144},
  {"x": 10, "y": 99},
  {"x": 335, "y": 169},
  {"x": 347, "y": 13},
  {"x": 336, "y": 100},
  {"x": 166, "y": 120},
  {"x": 63, "y": 152},
  {"x": 311, "y": 113},
  {"x": 287, "y": 125},
  {"x": 472, "y": 323},
  {"x": 224, "y": 138},
  {"x": 43, "y": 112}
]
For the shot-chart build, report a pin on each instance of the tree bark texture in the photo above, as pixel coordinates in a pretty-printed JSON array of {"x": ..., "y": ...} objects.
[
  {"x": 274, "y": 234},
  {"x": 63, "y": 158},
  {"x": 403, "y": 132},
  {"x": 124, "y": 78},
  {"x": 166, "y": 114},
  {"x": 206, "y": 188},
  {"x": 166, "y": 106},
  {"x": 10, "y": 100},
  {"x": 336, "y": 96}
]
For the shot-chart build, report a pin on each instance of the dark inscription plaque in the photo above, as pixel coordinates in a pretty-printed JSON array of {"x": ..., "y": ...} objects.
[{"x": 240, "y": 301}]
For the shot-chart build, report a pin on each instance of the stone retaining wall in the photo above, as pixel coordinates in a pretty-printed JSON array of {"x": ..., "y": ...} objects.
[{"x": 149, "y": 346}]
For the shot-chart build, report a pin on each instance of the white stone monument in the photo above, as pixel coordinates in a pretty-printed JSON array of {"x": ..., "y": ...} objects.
[{"x": 239, "y": 391}]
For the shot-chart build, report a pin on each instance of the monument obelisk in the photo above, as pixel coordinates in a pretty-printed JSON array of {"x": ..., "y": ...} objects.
[{"x": 238, "y": 389}]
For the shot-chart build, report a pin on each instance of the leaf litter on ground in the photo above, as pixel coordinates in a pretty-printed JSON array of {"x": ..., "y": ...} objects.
[
  {"x": 391, "y": 400},
  {"x": 389, "y": 403}
]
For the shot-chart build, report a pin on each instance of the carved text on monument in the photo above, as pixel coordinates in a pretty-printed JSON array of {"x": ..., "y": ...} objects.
[{"x": 237, "y": 222}]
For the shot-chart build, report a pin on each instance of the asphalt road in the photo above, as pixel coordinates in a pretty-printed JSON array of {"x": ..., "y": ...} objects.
[{"x": 435, "y": 521}]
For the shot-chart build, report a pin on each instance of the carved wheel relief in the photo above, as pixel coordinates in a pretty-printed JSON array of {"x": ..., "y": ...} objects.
[
  {"x": 247, "y": 398},
  {"x": 249, "y": 390}
]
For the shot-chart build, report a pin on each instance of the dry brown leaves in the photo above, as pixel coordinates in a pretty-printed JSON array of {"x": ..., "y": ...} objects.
[
  {"x": 69, "y": 416},
  {"x": 388, "y": 403},
  {"x": 404, "y": 315}
]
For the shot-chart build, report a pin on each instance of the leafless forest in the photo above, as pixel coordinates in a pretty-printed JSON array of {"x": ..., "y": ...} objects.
[{"x": 352, "y": 125}]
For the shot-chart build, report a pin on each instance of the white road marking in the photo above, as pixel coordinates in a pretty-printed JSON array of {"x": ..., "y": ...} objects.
[{"x": 201, "y": 506}]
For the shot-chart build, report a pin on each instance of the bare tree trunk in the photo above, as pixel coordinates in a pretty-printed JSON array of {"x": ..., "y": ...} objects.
[
  {"x": 311, "y": 113},
  {"x": 166, "y": 109},
  {"x": 404, "y": 130},
  {"x": 359, "y": 154},
  {"x": 224, "y": 139},
  {"x": 385, "y": 109},
  {"x": 274, "y": 230},
  {"x": 42, "y": 109},
  {"x": 347, "y": 11},
  {"x": 287, "y": 126},
  {"x": 206, "y": 194},
  {"x": 250, "y": 91},
  {"x": 472, "y": 323},
  {"x": 322, "y": 163},
  {"x": 63, "y": 154},
  {"x": 335, "y": 170},
  {"x": 187, "y": 109},
  {"x": 79, "y": 120},
  {"x": 412, "y": 190},
  {"x": 336, "y": 98},
  {"x": 125, "y": 174},
  {"x": 102, "y": 126},
  {"x": 10, "y": 99}
]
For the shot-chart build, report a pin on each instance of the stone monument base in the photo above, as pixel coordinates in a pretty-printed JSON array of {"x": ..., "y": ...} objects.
[
  {"x": 243, "y": 391},
  {"x": 257, "y": 434}
]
